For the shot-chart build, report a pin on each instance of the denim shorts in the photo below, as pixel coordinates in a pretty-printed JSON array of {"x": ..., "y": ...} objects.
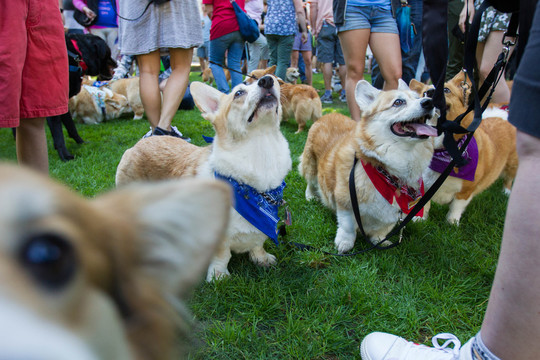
[{"x": 369, "y": 17}]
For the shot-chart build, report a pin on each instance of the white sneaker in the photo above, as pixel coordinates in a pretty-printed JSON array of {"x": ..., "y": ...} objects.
[
  {"x": 382, "y": 346},
  {"x": 148, "y": 134}
]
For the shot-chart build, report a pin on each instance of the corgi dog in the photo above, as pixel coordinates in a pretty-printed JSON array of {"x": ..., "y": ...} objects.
[
  {"x": 93, "y": 105},
  {"x": 393, "y": 143},
  {"x": 129, "y": 88},
  {"x": 248, "y": 151},
  {"x": 298, "y": 100},
  {"x": 491, "y": 154},
  {"x": 102, "y": 278},
  {"x": 292, "y": 75},
  {"x": 208, "y": 76}
]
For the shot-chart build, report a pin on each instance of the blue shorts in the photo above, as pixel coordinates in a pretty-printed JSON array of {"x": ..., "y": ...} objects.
[
  {"x": 369, "y": 17},
  {"x": 202, "y": 51},
  {"x": 298, "y": 45}
]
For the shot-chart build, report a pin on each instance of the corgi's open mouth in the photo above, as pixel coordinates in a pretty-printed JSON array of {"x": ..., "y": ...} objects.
[
  {"x": 415, "y": 128},
  {"x": 267, "y": 100}
]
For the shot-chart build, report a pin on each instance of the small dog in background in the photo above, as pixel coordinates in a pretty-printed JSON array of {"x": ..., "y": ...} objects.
[
  {"x": 393, "y": 144},
  {"x": 102, "y": 278},
  {"x": 94, "y": 105},
  {"x": 292, "y": 75},
  {"x": 129, "y": 88}
]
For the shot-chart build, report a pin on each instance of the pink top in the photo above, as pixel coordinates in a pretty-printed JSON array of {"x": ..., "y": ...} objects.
[
  {"x": 255, "y": 8},
  {"x": 324, "y": 12}
]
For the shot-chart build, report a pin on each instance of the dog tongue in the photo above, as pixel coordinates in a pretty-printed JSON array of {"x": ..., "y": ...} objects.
[{"x": 423, "y": 129}]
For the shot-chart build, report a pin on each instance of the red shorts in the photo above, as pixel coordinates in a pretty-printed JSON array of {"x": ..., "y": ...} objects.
[{"x": 34, "y": 71}]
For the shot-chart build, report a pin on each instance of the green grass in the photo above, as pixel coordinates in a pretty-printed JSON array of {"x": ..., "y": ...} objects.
[{"x": 311, "y": 305}]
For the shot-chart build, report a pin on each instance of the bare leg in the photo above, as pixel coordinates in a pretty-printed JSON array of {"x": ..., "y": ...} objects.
[
  {"x": 294, "y": 58},
  {"x": 306, "y": 55},
  {"x": 149, "y": 66},
  {"x": 176, "y": 85},
  {"x": 514, "y": 303},
  {"x": 354, "y": 44},
  {"x": 327, "y": 76},
  {"x": 31, "y": 144},
  {"x": 486, "y": 56},
  {"x": 387, "y": 51}
]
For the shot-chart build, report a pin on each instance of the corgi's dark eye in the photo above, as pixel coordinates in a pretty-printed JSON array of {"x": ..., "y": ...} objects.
[
  {"x": 239, "y": 93},
  {"x": 446, "y": 90},
  {"x": 49, "y": 259},
  {"x": 398, "y": 102}
]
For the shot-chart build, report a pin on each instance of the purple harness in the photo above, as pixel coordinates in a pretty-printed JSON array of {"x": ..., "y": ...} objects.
[{"x": 441, "y": 159}]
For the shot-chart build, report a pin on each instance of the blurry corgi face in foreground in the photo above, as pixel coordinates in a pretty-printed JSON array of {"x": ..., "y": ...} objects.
[{"x": 101, "y": 279}]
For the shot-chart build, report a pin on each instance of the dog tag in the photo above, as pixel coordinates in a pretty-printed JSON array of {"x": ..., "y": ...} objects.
[{"x": 288, "y": 220}]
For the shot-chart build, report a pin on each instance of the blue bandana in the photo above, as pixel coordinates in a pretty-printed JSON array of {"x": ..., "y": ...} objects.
[{"x": 260, "y": 209}]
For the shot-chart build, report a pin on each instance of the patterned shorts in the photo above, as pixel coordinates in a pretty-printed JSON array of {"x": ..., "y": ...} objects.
[{"x": 492, "y": 20}]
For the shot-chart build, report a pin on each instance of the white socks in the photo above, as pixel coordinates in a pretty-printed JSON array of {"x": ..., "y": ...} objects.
[{"x": 479, "y": 351}]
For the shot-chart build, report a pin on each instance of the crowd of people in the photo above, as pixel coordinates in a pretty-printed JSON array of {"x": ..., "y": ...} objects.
[{"x": 342, "y": 31}]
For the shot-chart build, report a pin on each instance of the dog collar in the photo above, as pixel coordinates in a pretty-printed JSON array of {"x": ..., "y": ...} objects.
[
  {"x": 99, "y": 98},
  {"x": 260, "y": 209},
  {"x": 390, "y": 188},
  {"x": 441, "y": 159}
]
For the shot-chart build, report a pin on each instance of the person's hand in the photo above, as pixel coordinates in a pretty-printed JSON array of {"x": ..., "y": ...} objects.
[
  {"x": 88, "y": 12},
  {"x": 304, "y": 37},
  {"x": 467, "y": 7}
]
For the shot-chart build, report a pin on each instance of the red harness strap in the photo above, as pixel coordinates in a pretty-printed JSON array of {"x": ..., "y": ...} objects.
[
  {"x": 389, "y": 187},
  {"x": 82, "y": 64}
]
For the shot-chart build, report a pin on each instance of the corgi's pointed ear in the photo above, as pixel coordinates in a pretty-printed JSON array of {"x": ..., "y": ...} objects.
[
  {"x": 417, "y": 86},
  {"x": 206, "y": 98},
  {"x": 178, "y": 225},
  {"x": 365, "y": 93},
  {"x": 402, "y": 85},
  {"x": 270, "y": 70}
]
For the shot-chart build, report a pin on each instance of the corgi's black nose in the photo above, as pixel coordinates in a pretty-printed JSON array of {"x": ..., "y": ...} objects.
[
  {"x": 266, "y": 82},
  {"x": 426, "y": 103}
]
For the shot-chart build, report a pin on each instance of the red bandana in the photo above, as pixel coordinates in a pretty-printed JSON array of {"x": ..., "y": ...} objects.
[{"x": 387, "y": 185}]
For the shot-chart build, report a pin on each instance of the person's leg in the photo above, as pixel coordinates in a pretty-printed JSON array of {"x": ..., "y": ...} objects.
[
  {"x": 149, "y": 67},
  {"x": 327, "y": 76},
  {"x": 487, "y": 54},
  {"x": 514, "y": 303},
  {"x": 456, "y": 48},
  {"x": 217, "y": 56},
  {"x": 284, "y": 55},
  {"x": 306, "y": 55},
  {"x": 387, "y": 51},
  {"x": 31, "y": 144},
  {"x": 234, "y": 58},
  {"x": 410, "y": 59},
  {"x": 176, "y": 85},
  {"x": 273, "y": 42},
  {"x": 294, "y": 58},
  {"x": 254, "y": 55},
  {"x": 354, "y": 44}
]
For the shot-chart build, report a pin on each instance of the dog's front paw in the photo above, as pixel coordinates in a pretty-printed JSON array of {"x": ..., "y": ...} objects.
[
  {"x": 344, "y": 244},
  {"x": 216, "y": 273},
  {"x": 262, "y": 258},
  {"x": 311, "y": 193}
]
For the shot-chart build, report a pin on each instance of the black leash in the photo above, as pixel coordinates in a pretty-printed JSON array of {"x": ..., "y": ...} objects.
[{"x": 236, "y": 71}]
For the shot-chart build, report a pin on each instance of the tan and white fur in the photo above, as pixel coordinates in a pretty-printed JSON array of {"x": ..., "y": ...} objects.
[
  {"x": 497, "y": 155},
  {"x": 86, "y": 108},
  {"x": 298, "y": 100},
  {"x": 102, "y": 278},
  {"x": 129, "y": 88},
  {"x": 292, "y": 75},
  {"x": 392, "y": 133},
  {"x": 248, "y": 146}
]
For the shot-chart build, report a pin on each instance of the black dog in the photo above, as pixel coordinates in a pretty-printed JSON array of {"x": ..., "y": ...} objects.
[{"x": 88, "y": 55}]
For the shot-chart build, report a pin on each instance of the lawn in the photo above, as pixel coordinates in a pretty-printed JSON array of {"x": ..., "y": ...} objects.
[{"x": 311, "y": 305}]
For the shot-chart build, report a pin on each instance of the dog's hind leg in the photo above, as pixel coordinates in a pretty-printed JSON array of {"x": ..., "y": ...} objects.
[
  {"x": 457, "y": 207},
  {"x": 55, "y": 125},
  {"x": 69, "y": 124},
  {"x": 509, "y": 172}
]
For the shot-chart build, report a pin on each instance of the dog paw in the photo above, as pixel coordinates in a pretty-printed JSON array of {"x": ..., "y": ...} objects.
[
  {"x": 262, "y": 259},
  {"x": 507, "y": 191},
  {"x": 453, "y": 220},
  {"x": 310, "y": 194},
  {"x": 215, "y": 273},
  {"x": 343, "y": 246}
]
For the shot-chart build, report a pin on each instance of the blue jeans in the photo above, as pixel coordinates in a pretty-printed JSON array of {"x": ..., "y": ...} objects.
[
  {"x": 409, "y": 61},
  {"x": 234, "y": 43}
]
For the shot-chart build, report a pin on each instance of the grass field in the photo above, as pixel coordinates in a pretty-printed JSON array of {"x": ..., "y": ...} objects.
[{"x": 311, "y": 305}]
